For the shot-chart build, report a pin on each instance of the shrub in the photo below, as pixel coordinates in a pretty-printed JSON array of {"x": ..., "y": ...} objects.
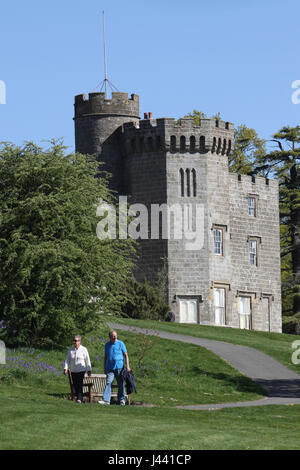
[
  {"x": 144, "y": 301},
  {"x": 291, "y": 325}
]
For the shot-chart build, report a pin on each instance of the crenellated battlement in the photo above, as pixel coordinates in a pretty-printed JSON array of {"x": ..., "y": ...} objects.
[
  {"x": 96, "y": 104},
  {"x": 253, "y": 181},
  {"x": 164, "y": 134}
]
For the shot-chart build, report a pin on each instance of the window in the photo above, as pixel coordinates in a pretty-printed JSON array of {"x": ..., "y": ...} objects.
[
  {"x": 245, "y": 312},
  {"x": 224, "y": 147},
  {"x": 202, "y": 144},
  {"x": 182, "y": 143},
  {"x": 253, "y": 252},
  {"x": 251, "y": 206},
  {"x": 194, "y": 182},
  {"x": 173, "y": 143},
  {"x": 188, "y": 183},
  {"x": 219, "y": 300},
  {"x": 182, "y": 182},
  {"x": 192, "y": 143},
  {"x": 214, "y": 145},
  {"x": 218, "y": 241},
  {"x": 188, "y": 311}
]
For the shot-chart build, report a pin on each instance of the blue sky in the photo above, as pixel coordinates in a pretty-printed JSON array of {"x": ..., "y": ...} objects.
[{"x": 235, "y": 57}]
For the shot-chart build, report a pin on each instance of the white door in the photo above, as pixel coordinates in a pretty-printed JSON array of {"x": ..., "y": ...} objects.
[
  {"x": 219, "y": 298},
  {"x": 188, "y": 311},
  {"x": 245, "y": 312}
]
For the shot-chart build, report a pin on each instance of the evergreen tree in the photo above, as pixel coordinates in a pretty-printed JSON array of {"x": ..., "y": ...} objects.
[
  {"x": 248, "y": 149},
  {"x": 283, "y": 163},
  {"x": 144, "y": 301},
  {"x": 56, "y": 275}
]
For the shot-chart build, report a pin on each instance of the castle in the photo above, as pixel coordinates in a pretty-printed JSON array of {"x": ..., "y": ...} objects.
[{"x": 232, "y": 276}]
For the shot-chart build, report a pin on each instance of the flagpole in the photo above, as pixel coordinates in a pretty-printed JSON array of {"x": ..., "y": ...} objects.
[{"x": 105, "y": 67}]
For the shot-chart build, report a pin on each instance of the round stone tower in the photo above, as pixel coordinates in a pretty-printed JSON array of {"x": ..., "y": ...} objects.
[{"x": 98, "y": 123}]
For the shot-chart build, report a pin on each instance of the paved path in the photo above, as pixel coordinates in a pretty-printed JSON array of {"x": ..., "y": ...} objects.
[{"x": 281, "y": 384}]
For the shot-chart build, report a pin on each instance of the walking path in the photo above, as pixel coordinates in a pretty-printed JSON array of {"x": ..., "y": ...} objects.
[{"x": 281, "y": 384}]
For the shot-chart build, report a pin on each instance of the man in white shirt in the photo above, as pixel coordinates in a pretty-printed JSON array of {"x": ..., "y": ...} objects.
[{"x": 78, "y": 362}]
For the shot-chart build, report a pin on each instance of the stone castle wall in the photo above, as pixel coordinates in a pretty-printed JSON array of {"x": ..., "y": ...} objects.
[{"x": 160, "y": 164}]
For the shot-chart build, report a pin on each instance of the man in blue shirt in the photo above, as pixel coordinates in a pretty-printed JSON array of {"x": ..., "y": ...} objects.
[{"x": 115, "y": 352}]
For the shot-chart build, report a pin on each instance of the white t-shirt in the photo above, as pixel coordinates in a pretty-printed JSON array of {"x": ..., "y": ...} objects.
[{"x": 78, "y": 360}]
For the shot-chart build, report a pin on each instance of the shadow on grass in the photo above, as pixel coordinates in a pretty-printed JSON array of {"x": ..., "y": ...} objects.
[
  {"x": 240, "y": 383},
  {"x": 289, "y": 388},
  {"x": 64, "y": 396}
]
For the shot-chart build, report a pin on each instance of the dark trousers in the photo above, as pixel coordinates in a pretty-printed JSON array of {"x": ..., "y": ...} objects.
[{"x": 77, "y": 378}]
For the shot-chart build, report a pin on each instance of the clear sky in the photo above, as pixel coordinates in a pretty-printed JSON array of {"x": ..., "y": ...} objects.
[{"x": 235, "y": 57}]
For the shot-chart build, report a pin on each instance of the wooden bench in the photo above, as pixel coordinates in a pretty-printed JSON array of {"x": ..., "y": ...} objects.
[{"x": 93, "y": 388}]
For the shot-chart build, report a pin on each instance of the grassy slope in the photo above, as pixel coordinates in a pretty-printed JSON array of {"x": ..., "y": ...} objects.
[
  {"x": 277, "y": 345},
  {"x": 34, "y": 415},
  {"x": 169, "y": 372}
]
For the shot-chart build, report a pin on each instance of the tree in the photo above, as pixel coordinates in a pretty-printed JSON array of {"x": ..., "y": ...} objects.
[
  {"x": 248, "y": 149},
  {"x": 56, "y": 276},
  {"x": 144, "y": 301},
  {"x": 198, "y": 115},
  {"x": 283, "y": 163}
]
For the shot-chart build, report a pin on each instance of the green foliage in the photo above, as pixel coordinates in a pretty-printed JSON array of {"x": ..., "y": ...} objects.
[
  {"x": 198, "y": 115},
  {"x": 283, "y": 163},
  {"x": 248, "y": 149},
  {"x": 56, "y": 275},
  {"x": 291, "y": 325},
  {"x": 144, "y": 301}
]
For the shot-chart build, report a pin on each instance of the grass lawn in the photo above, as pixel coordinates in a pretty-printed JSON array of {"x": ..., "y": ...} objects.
[
  {"x": 36, "y": 414},
  {"x": 42, "y": 422},
  {"x": 167, "y": 373}
]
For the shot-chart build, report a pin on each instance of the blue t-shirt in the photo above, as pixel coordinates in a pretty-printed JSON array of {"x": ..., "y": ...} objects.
[{"x": 114, "y": 353}]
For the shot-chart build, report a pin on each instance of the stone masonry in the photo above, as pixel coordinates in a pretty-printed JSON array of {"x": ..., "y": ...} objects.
[{"x": 216, "y": 233}]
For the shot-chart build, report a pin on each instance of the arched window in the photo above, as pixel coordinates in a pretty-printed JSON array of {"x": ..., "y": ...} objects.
[
  {"x": 224, "y": 147},
  {"x": 202, "y": 144},
  {"x": 173, "y": 143},
  {"x": 219, "y": 145},
  {"x": 214, "y": 145},
  {"x": 188, "y": 183},
  {"x": 229, "y": 147},
  {"x": 194, "y": 182},
  {"x": 192, "y": 143},
  {"x": 181, "y": 181},
  {"x": 182, "y": 143}
]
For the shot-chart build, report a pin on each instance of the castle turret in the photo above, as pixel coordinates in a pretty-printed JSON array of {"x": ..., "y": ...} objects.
[{"x": 98, "y": 122}]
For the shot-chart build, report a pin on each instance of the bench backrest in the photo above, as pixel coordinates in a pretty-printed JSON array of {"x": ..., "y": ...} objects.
[{"x": 98, "y": 381}]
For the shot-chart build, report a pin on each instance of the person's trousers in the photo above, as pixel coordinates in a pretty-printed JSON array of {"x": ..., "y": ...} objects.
[
  {"x": 77, "y": 378},
  {"x": 110, "y": 375}
]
